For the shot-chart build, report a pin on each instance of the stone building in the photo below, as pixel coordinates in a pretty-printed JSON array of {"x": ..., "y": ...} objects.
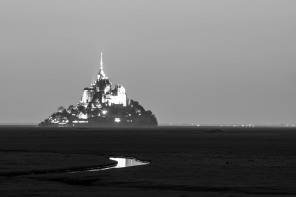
[{"x": 101, "y": 92}]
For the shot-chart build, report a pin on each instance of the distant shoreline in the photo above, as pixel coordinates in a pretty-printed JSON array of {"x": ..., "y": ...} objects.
[{"x": 190, "y": 127}]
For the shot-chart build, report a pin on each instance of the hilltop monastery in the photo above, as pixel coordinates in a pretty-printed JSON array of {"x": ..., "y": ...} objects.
[{"x": 101, "y": 104}]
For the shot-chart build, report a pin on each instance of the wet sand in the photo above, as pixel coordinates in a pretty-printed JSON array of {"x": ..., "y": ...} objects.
[{"x": 185, "y": 161}]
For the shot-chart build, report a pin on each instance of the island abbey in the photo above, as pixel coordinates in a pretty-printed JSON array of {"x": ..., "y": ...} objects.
[{"x": 102, "y": 104}]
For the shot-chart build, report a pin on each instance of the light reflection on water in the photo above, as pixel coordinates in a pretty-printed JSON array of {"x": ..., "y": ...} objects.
[{"x": 121, "y": 163}]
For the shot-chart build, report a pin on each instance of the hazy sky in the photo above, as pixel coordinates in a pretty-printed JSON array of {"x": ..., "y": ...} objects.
[{"x": 189, "y": 61}]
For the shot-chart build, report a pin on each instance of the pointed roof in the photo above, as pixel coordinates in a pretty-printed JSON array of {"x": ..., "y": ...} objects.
[{"x": 101, "y": 74}]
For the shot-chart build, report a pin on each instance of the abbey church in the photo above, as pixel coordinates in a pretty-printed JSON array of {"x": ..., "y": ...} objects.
[{"x": 101, "y": 92}]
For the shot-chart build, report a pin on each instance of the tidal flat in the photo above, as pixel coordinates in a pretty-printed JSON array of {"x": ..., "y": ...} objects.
[{"x": 184, "y": 161}]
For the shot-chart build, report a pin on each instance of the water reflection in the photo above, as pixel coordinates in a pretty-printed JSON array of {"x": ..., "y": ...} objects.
[
  {"x": 121, "y": 163},
  {"x": 127, "y": 162}
]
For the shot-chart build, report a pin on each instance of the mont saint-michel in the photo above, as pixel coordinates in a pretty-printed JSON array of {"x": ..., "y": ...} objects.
[{"x": 102, "y": 104}]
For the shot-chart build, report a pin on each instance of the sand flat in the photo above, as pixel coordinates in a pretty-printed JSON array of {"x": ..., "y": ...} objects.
[{"x": 185, "y": 161}]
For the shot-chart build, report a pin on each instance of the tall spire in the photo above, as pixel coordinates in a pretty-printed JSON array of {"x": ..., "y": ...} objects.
[
  {"x": 101, "y": 64},
  {"x": 101, "y": 74}
]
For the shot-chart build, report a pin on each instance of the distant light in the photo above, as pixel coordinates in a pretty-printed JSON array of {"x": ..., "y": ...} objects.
[
  {"x": 104, "y": 112},
  {"x": 117, "y": 119}
]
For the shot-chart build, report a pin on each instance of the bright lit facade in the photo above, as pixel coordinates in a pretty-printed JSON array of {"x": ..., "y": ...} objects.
[{"x": 101, "y": 92}]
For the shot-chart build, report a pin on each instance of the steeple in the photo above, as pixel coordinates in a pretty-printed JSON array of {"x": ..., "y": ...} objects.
[
  {"x": 101, "y": 64},
  {"x": 101, "y": 74}
]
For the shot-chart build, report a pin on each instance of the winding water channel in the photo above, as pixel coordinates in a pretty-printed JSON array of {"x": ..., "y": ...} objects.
[{"x": 122, "y": 162}]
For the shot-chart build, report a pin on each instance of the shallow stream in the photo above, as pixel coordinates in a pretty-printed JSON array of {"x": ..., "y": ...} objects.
[{"x": 122, "y": 162}]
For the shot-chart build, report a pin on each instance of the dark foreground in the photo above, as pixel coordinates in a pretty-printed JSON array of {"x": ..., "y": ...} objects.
[{"x": 184, "y": 162}]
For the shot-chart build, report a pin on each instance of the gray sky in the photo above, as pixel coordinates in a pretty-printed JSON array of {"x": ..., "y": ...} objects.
[{"x": 189, "y": 61}]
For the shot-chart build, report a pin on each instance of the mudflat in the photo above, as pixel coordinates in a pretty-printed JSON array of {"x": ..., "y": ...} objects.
[{"x": 184, "y": 161}]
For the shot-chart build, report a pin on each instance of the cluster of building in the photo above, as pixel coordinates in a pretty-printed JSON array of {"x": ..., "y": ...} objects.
[{"x": 101, "y": 93}]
